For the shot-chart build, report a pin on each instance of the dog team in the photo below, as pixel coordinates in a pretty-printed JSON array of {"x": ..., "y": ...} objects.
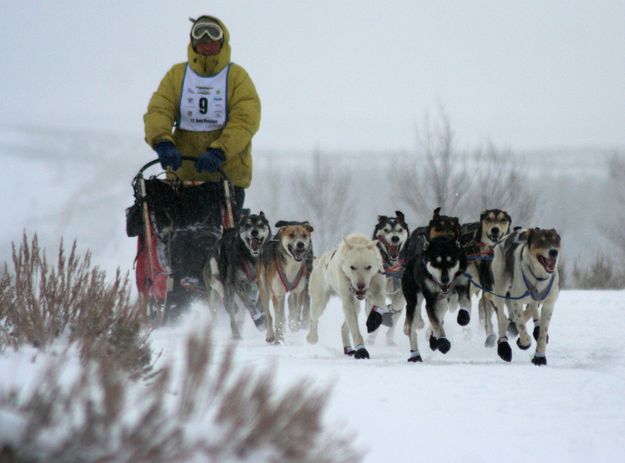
[{"x": 512, "y": 272}]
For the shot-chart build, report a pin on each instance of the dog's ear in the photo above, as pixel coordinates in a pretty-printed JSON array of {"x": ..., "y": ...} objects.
[
  {"x": 400, "y": 215},
  {"x": 508, "y": 218},
  {"x": 346, "y": 243},
  {"x": 280, "y": 224},
  {"x": 436, "y": 213},
  {"x": 530, "y": 235},
  {"x": 308, "y": 227},
  {"x": 382, "y": 218},
  {"x": 373, "y": 244},
  {"x": 483, "y": 214},
  {"x": 261, "y": 214}
]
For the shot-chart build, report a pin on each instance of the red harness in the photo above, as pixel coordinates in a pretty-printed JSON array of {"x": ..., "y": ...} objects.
[{"x": 289, "y": 286}]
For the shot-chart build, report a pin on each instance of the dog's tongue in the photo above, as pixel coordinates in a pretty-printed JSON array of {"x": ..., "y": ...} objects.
[
  {"x": 548, "y": 263},
  {"x": 254, "y": 244},
  {"x": 393, "y": 250}
]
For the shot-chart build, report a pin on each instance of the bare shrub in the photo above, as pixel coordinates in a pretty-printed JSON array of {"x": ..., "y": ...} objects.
[
  {"x": 39, "y": 303},
  {"x": 325, "y": 193},
  {"x": 215, "y": 415},
  {"x": 435, "y": 176},
  {"x": 600, "y": 274},
  {"x": 462, "y": 184}
]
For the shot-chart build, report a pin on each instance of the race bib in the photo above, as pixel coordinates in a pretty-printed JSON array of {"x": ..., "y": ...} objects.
[{"x": 203, "y": 101}]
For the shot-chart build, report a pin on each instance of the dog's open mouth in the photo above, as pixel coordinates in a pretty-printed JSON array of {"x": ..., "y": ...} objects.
[
  {"x": 297, "y": 253},
  {"x": 444, "y": 288},
  {"x": 359, "y": 294},
  {"x": 549, "y": 263},
  {"x": 254, "y": 244},
  {"x": 393, "y": 250},
  {"x": 493, "y": 237}
]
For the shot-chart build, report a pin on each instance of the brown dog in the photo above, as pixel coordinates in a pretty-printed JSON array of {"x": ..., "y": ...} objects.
[{"x": 282, "y": 269}]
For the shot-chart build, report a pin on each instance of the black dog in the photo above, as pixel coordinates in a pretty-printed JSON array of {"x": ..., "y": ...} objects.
[
  {"x": 231, "y": 271},
  {"x": 439, "y": 225},
  {"x": 437, "y": 275}
]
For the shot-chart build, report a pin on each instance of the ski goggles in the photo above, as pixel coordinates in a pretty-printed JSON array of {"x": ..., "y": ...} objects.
[{"x": 208, "y": 29}]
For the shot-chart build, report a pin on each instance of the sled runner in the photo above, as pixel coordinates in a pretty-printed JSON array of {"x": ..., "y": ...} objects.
[{"x": 176, "y": 224}]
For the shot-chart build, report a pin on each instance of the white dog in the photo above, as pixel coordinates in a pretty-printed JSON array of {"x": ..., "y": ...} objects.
[{"x": 352, "y": 271}]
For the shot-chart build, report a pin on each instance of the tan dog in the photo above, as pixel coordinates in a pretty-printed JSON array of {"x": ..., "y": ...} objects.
[{"x": 281, "y": 269}]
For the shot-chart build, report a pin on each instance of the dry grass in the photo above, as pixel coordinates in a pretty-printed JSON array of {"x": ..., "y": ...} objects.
[
  {"x": 107, "y": 409},
  {"x": 600, "y": 274},
  {"x": 40, "y": 303},
  {"x": 205, "y": 413}
]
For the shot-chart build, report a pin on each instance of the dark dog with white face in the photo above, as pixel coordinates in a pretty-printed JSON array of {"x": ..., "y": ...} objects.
[
  {"x": 282, "y": 269},
  {"x": 525, "y": 271},
  {"x": 478, "y": 240},
  {"x": 391, "y": 233},
  {"x": 436, "y": 275},
  {"x": 439, "y": 226},
  {"x": 231, "y": 273}
]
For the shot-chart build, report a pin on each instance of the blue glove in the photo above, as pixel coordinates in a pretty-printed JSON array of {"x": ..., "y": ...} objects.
[
  {"x": 210, "y": 161},
  {"x": 168, "y": 154}
]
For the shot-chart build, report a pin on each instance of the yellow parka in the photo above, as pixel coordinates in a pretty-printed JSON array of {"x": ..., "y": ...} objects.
[{"x": 235, "y": 139}]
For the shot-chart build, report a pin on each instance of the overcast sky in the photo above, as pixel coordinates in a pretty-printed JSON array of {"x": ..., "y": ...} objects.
[{"x": 334, "y": 74}]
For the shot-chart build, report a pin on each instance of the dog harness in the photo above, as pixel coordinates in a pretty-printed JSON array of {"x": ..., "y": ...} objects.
[
  {"x": 531, "y": 289},
  {"x": 474, "y": 252},
  {"x": 289, "y": 286},
  {"x": 251, "y": 276},
  {"x": 203, "y": 105}
]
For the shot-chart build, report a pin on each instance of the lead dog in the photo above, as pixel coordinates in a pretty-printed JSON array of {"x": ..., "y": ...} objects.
[
  {"x": 352, "y": 271},
  {"x": 230, "y": 274},
  {"x": 281, "y": 269},
  {"x": 436, "y": 275},
  {"x": 525, "y": 270},
  {"x": 391, "y": 233},
  {"x": 478, "y": 240},
  {"x": 438, "y": 226}
]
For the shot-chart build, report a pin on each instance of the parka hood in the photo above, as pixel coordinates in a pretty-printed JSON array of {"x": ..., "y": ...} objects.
[{"x": 209, "y": 65}]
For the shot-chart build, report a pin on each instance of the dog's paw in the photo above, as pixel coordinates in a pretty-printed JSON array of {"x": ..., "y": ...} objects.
[
  {"x": 464, "y": 317},
  {"x": 270, "y": 339},
  {"x": 490, "y": 340},
  {"x": 512, "y": 330},
  {"x": 539, "y": 360},
  {"x": 260, "y": 324},
  {"x": 433, "y": 342},
  {"x": 523, "y": 346},
  {"x": 312, "y": 338},
  {"x": 361, "y": 353},
  {"x": 348, "y": 350},
  {"x": 504, "y": 351},
  {"x": 536, "y": 333},
  {"x": 443, "y": 345},
  {"x": 415, "y": 357}
]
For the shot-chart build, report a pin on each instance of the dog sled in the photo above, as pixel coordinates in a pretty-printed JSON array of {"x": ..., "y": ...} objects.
[{"x": 176, "y": 224}]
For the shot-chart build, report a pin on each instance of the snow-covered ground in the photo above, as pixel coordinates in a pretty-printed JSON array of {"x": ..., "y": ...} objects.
[{"x": 466, "y": 406}]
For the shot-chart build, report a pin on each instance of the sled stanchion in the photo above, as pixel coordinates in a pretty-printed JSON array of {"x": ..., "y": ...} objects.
[
  {"x": 228, "y": 219},
  {"x": 147, "y": 228}
]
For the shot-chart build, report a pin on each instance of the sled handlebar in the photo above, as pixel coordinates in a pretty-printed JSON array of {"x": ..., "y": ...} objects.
[{"x": 184, "y": 158}]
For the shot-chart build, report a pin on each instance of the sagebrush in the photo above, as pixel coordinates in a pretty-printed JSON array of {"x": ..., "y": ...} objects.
[{"x": 40, "y": 303}]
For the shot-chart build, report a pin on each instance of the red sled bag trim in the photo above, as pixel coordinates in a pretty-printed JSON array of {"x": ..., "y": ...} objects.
[{"x": 151, "y": 276}]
